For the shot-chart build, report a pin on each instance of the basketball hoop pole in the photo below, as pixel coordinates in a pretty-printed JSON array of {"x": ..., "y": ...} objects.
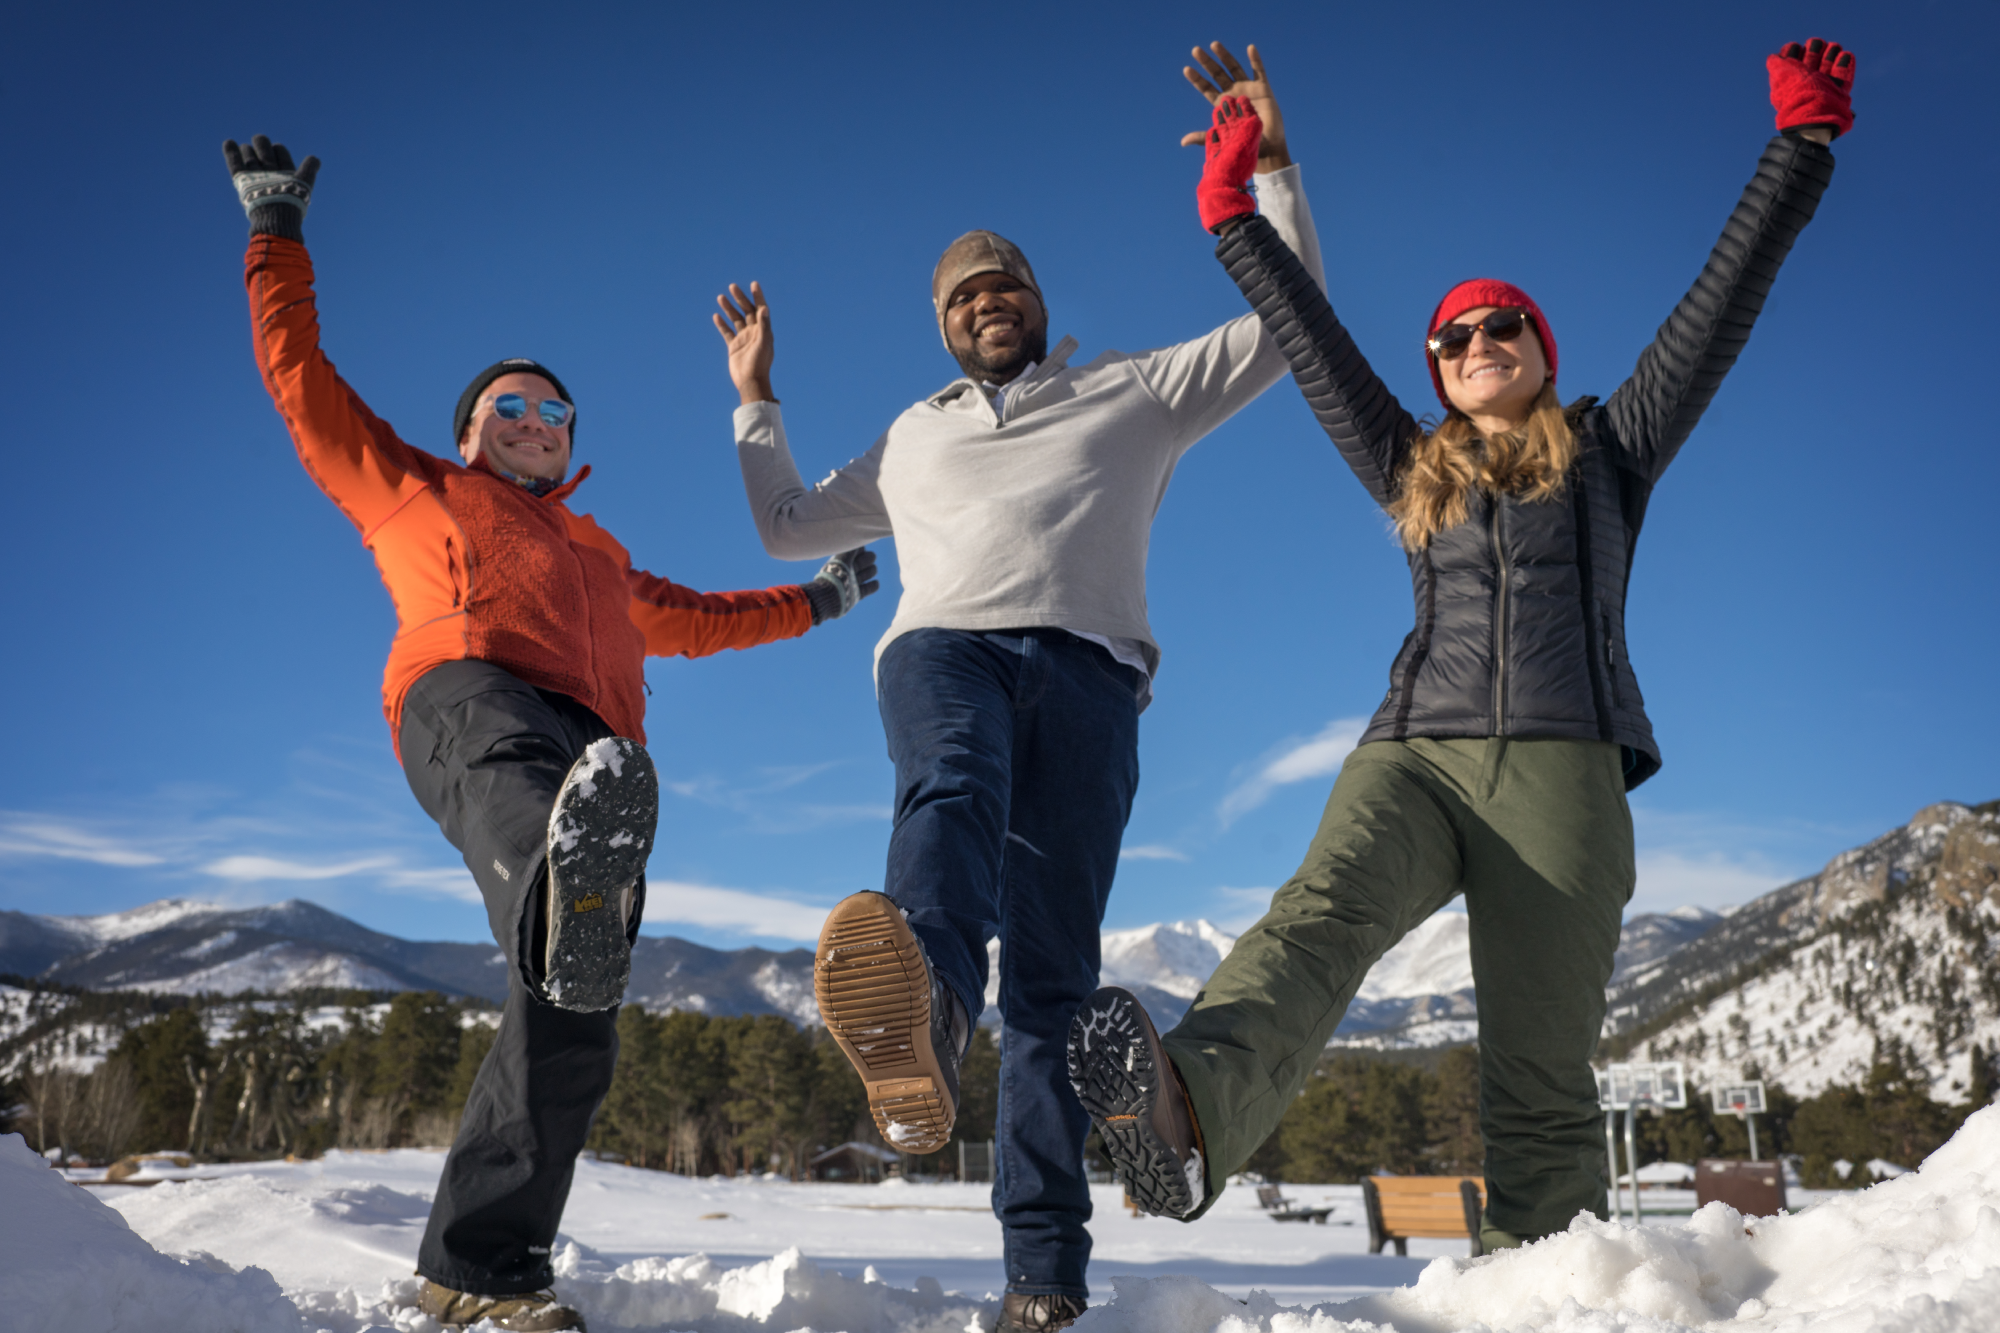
[
  {"x": 1611, "y": 1156},
  {"x": 1632, "y": 1161},
  {"x": 1750, "y": 1119}
]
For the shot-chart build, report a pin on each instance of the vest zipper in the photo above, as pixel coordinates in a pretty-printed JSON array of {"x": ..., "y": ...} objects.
[
  {"x": 1611, "y": 662},
  {"x": 1499, "y": 621}
]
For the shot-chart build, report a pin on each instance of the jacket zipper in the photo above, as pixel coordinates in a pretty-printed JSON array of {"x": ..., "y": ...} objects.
[
  {"x": 1611, "y": 661},
  {"x": 1499, "y": 621}
]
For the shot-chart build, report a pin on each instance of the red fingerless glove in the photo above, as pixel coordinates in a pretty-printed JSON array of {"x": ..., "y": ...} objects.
[
  {"x": 1233, "y": 140},
  {"x": 1811, "y": 85}
]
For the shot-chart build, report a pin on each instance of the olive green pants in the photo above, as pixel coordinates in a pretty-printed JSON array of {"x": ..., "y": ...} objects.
[{"x": 1537, "y": 836}]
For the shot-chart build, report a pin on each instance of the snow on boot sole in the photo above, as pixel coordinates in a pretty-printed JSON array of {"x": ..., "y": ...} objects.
[
  {"x": 1112, "y": 1068},
  {"x": 600, "y": 834},
  {"x": 874, "y": 995}
]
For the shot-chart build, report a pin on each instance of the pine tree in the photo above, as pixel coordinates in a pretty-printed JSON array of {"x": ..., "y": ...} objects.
[
  {"x": 160, "y": 1055},
  {"x": 1451, "y": 1115}
]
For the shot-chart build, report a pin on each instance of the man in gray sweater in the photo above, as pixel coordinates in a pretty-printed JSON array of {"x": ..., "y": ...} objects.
[{"x": 1021, "y": 497}]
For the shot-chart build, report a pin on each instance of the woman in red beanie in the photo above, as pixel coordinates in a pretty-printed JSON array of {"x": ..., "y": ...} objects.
[{"x": 1498, "y": 762}]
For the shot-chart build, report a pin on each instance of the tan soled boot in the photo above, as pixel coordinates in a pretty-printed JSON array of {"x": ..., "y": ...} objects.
[
  {"x": 896, "y": 1021},
  {"x": 530, "y": 1312}
]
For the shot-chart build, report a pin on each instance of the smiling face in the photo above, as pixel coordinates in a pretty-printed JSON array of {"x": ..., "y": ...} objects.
[
  {"x": 994, "y": 325},
  {"x": 1495, "y": 380},
  {"x": 529, "y": 447}
]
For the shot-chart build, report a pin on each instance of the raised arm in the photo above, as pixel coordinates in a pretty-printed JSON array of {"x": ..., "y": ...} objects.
[
  {"x": 350, "y": 453},
  {"x": 1207, "y": 380},
  {"x": 1652, "y": 414},
  {"x": 678, "y": 621},
  {"x": 793, "y": 521},
  {"x": 1354, "y": 407}
]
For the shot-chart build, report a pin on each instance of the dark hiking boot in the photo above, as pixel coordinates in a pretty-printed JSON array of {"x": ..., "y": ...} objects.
[
  {"x": 532, "y": 1312},
  {"x": 600, "y": 834},
  {"x": 900, "y": 1026},
  {"x": 1125, "y": 1081},
  {"x": 1023, "y": 1313}
]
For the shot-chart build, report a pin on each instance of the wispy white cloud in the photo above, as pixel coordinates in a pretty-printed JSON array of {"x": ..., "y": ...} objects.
[
  {"x": 672, "y": 901},
  {"x": 758, "y": 799},
  {"x": 1236, "y": 910},
  {"x": 778, "y": 777},
  {"x": 30, "y": 835},
  {"x": 452, "y": 882},
  {"x": 241, "y": 851},
  {"x": 1151, "y": 852},
  {"x": 1670, "y": 879},
  {"x": 388, "y": 872},
  {"x": 1694, "y": 858},
  {"x": 844, "y": 814},
  {"x": 1296, "y": 760},
  {"x": 253, "y": 868}
]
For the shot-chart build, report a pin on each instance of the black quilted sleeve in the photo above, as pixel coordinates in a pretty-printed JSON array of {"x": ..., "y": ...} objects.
[
  {"x": 1652, "y": 414},
  {"x": 1354, "y": 407}
]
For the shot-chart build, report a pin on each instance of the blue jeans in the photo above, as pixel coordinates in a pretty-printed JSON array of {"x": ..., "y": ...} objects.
[{"x": 1017, "y": 756}]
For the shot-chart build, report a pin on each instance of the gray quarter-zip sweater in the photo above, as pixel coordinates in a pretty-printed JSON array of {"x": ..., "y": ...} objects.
[{"x": 1039, "y": 514}]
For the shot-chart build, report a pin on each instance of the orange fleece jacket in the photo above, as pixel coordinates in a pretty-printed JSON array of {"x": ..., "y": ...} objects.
[{"x": 477, "y": 566}]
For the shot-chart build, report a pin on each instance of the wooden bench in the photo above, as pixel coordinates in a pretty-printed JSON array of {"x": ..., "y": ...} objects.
[
  {"x": 1400, "y": 1207},
  {"x": 1272, "y": 1200}
]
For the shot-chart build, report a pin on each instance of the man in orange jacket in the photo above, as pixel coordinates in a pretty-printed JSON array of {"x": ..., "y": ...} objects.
[{"x": 515, "y": 691}]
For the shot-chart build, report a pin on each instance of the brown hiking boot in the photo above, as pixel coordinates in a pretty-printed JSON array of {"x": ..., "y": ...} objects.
[
  {"x": 1023, "y": 1313},
  {"x": 899, "y": 1025},
  {"x": 1134, "y": 1096},
  {"x": 531, "y": 1312}
]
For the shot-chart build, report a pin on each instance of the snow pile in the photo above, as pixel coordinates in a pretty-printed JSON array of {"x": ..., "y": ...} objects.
[
  {"x": 692, "y": 1294},
  {"x": 329, "y": 1245},
  {"x": 784, "y": 1292},
  {"x": 1919, "y": 1253},
  {"x": 71, "y": 1263}
]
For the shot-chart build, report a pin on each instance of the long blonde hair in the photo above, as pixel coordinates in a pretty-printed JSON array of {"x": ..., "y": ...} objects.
[{"x": 1445, "y": 463}]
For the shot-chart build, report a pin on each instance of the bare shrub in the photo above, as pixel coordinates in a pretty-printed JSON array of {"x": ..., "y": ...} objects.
[
  {"x": 433, "y": 1129},
  {"x": 112, "y": 1110}
]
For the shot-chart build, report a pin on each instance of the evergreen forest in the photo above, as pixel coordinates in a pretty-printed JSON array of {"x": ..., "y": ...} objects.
[{"x": 698, "y": 1094}]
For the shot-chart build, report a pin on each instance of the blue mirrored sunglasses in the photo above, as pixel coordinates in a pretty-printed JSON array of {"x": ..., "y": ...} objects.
[{"x": 553, "y": 411}]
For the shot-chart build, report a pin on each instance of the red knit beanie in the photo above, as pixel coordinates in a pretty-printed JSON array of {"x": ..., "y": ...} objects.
[{"x": 1472, "y": 294}]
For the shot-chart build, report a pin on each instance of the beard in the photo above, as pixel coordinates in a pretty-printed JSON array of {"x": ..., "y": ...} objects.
[{"x": 1001, "y": 366}]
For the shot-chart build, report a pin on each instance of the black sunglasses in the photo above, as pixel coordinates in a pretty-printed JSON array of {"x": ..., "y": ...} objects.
[
  {"x": 552, "y": 411},
  {"x": 1502, "y": 326}
]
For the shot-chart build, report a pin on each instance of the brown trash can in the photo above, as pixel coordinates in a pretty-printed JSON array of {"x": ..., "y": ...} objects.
[{"x": 1754, "y": 1189}]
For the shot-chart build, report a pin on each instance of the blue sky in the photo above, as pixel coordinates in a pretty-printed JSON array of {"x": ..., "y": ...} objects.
[{"x": 196, "y": 637}]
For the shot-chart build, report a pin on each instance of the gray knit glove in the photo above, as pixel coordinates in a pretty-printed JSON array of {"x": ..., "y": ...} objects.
[
  {"x": 839, "y": 587},
  {"x": 274, "y": 192}
]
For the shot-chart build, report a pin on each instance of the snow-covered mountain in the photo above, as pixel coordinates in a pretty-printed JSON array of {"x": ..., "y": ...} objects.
[
  {"x": 1419, "y": 994},
  {"x": 1897, "y": 941},
  {"x": 1893, "y": 941},
  {"x": 185, "y": 948},
  {"x": 178, "y": 946}
]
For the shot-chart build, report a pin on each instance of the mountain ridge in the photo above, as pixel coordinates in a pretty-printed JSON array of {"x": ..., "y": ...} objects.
[
  {"x": 1419, "y": 994},
  {"x": 1890, "y": 949}
]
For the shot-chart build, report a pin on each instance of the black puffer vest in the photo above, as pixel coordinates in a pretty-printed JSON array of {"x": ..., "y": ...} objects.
[{"x": 1521, "y": 608}]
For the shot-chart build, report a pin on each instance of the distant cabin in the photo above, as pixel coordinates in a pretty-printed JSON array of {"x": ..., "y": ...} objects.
[{"x": 853, "y": 1164}]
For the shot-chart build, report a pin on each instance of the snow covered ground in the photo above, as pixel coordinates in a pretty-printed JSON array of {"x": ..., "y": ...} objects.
[{"x": 330, "y": 1244}]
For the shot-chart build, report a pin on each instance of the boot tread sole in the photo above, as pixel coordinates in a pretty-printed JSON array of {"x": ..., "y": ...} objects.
[
  {"x": 1112, "y": 1068},
  {"x": 610, "y": 831},
  {"x": 874, "y": 996}
]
